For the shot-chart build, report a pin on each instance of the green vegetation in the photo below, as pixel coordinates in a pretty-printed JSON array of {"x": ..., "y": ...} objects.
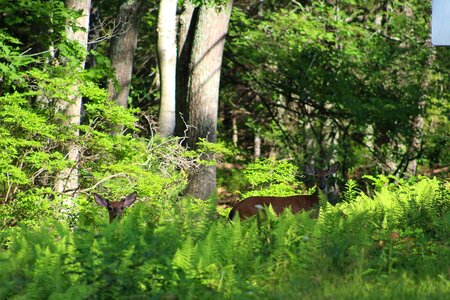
[
  {"x": 392, "y": 246},
  {"x": 354, "y": 80},
  {"x": 350, "y": 81}
]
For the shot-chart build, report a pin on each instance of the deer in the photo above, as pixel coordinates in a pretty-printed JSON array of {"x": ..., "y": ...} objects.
[
  {"x": 252, "y": 205},
  {"x": 115, "y": 208}
]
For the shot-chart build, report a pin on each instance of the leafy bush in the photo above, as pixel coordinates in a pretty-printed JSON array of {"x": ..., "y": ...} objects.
[
  {"x": 271, "y": 177},
  {"x": 35, "y": 136}
]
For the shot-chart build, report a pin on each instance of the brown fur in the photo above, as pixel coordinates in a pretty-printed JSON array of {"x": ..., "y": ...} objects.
[
  {"x": 248, "y": 207},
  {"x": 252, "y": 205},
  {"x": 115, "y": 208}
]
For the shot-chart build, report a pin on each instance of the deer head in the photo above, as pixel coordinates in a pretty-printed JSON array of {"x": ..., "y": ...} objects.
[
  {"x": 115, "y": 209},
  {"x": 322, "y": 176}
]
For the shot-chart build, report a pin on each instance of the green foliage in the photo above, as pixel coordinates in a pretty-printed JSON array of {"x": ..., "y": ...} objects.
[
  {"x": 35, "y": 132},
  {"x": 106, "y": 261},
  {"x": 320, "y": 76},
  {"x": 30, "y": 19},
  {"x": 267, "y": 171},
  {"x": 208, "y": 153},
  {"x": 351, "y": 190},
  {"x": 394, "y": 245},
  {"x": 33, "y": 136},
  {"x": 210, "y": 3},
  {"x": 354, "y": 244},
  {"x": 271, "y": 177},
  {"x": 355, "y": 79}
]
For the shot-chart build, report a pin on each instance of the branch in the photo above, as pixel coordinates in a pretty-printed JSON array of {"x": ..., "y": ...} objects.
[{"x": 100, "y": 182}]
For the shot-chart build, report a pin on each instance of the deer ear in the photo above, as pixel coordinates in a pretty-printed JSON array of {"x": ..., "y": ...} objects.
[
  {"x": 310, "y": 170},
  {"x": 333, "y": 168},
  {"x": 130, "y": 199},
  {"x": 100, "y": 200}
]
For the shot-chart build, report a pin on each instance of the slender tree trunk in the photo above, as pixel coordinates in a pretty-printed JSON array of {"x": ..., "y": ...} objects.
[
  {"x": 235, "y": 137},
  {"x": 68, "y": 178},
  {"x": 257, "y": 146},
  {"x": 167, "y": 59},
  {"x": 186, "y": 30},
  {"x": 202, "y": 97},
  {"x": 414, "y": 147},
  {"x": 123, "y": 46}
]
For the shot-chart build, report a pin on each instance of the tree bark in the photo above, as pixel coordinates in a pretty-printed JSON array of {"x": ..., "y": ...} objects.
[
  {"x": 167, "y": 59},
  {"x": 257, "y": 146},
  {"x": 235, "y": 137},
  {"x": 68, "y": 178},
  {"x": 123, "y": 46},
  {"x": 202, "y": 94},
  {"x": 186, "y": 30}
]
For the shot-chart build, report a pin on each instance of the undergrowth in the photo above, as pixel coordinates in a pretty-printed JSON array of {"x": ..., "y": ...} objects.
[{"x": 394, "y": 245}]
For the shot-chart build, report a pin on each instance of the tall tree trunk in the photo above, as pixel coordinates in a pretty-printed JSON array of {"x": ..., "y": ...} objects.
[
  {"x": 419, "y": 120},
  {"x": 186, "y": 30},
  {"x": 167, "y": 59},
  {"x": 68, "y": 178},
  {"x": 202, "y": 97},
  {"x": 123, "y": 46}
]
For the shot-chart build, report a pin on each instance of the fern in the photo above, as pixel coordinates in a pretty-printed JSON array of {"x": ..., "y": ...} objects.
[
  {"x": 184, "y": 257},
  {"x": 351, "y": 190},
  {"x": 146, "y": 255}
]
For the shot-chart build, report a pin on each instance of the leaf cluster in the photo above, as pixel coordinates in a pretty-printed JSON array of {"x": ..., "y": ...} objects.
[{"x": 271, "y": 177}]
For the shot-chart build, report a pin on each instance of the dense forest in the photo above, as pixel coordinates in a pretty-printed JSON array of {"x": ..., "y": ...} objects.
[{"x": 170, "y": 113}]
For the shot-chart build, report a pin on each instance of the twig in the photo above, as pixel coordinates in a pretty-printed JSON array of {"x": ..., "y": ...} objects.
[{"x": 101, "y": 181}]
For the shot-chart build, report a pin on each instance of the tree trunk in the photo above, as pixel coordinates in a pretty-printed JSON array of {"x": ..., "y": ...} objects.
[
  {"x": 68, "y": 178},
  {"x": 167, "y": 59},
  {"x": 123, "y": 46},
  {"x": 235, "y": 130},
  {"x": 416, "y": 141},
  {"x": 257, "y": 146},
  {"x": 419, "y": 121},
  {"x": 202, "y": 97},
  {"x": 186, "y": 29}
]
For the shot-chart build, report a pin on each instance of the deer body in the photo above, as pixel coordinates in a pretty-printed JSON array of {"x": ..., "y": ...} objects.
[
  {"x": 115, "y": 208},
  {"x": 252, "y": 205}
]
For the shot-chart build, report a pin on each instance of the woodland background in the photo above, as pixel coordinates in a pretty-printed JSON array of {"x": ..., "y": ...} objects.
[{"x": 194, "y": 104}]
